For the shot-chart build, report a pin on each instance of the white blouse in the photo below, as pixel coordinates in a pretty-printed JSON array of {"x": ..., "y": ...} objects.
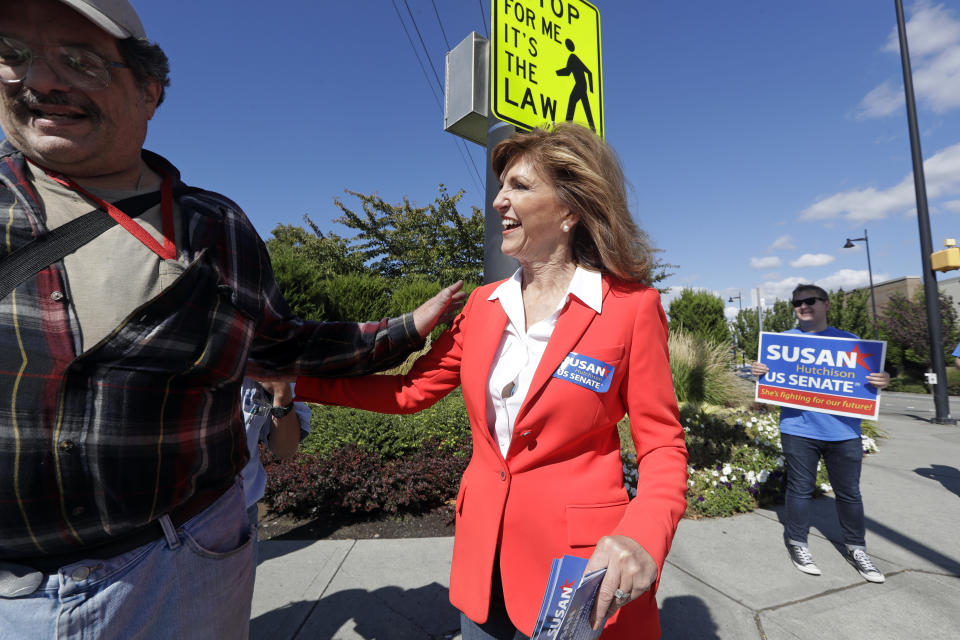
[{"x": 520, "y": 350}]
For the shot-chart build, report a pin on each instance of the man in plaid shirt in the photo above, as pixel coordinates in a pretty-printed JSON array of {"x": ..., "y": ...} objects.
[{"x": 121, "y": 364}]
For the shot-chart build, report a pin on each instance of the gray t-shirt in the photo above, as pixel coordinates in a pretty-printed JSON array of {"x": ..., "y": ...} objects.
[{"x": 114, "y": 274}]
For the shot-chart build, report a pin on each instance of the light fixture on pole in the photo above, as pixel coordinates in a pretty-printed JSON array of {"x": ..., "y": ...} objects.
[
  {"x": 738, "y": 298},
  {"x": 873, "y": 298}
]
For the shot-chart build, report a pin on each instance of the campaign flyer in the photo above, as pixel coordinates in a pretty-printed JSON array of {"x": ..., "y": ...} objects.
[
  {"x": 576, "y": 624},
  {"x": 567, "y": 601},
  {"x": 819, "y": 373}
]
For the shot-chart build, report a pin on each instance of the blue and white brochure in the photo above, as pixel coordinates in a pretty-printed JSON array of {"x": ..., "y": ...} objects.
[{"x": 568, "y": 601}]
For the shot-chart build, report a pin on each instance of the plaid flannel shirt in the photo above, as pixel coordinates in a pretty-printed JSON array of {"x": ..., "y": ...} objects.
[{"x": 95, "y": 444}]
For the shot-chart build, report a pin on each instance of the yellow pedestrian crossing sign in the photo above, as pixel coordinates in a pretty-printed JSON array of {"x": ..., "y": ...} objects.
[{"x": 546, "y": 63}]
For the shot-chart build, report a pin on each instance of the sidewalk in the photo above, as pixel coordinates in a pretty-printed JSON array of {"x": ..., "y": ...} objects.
[{"x": 727, "y": 578}]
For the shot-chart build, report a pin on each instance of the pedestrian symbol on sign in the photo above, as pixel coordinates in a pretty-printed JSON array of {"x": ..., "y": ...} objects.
[{"x": 583, "y": 80}]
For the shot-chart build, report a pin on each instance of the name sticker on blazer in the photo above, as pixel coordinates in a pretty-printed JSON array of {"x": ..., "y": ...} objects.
[{"x": 587, "y": 372}]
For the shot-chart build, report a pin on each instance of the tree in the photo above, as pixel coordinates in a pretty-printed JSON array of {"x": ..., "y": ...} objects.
[
  {"x": 699, "y": 313},
  {"x": 904, "y": 326},
  {"x": 660, "y": 271},
  {"x": 326, "y": 254},
  {"x": 304, "y": 262},
  {"x": 835, "y": 312},
  {"x": 780, "y": 318},
  {"x": 747, "y": 330},
  {"x": 857, "y": 317},
  {"x": 402, "y": 240},
  {"x": 849, "y": 311}
]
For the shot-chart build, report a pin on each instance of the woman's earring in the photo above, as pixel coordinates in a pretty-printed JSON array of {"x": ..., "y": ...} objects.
[{"x": 566, "y": 227}]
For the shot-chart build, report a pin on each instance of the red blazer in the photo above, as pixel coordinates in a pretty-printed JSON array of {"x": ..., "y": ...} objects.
[{"x": 560, "y": 488}]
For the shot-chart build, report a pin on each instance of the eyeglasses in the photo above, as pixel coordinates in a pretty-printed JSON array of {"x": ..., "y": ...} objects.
[
  {"x": 80, "y": 68},
  {"x": 807, "y": 301}
]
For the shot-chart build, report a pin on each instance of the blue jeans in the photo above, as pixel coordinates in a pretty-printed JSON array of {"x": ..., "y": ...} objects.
[
  {"x": 498, "y": 625},
  {"x": 843, "y": 459},
  {"x": 195, "y": 582}
]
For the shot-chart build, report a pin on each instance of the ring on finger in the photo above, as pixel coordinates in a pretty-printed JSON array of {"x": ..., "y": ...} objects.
[{"x": 621, "y": 595}]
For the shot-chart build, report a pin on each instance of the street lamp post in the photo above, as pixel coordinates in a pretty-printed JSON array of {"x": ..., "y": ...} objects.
[
  {"x": 941, "y": 400},
  {"x": 873, "y": 298},
  {"x": 739, "y": 299}
]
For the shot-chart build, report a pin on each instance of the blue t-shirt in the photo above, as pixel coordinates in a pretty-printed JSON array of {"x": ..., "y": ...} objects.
[
  {"x": 814, "y": 424},
  {"x": 956, "y": 352}
]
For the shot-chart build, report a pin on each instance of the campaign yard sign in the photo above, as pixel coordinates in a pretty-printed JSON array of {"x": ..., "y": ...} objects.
[{"x": 823, "y": 374}]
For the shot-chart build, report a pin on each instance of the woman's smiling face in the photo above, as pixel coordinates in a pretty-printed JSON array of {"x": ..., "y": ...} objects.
[{"x": 532, "y": 215}]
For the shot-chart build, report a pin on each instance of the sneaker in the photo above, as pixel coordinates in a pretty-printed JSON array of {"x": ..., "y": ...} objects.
[
  {"x": 802, "y": 560},
  {"x": 864, "y": 565}
]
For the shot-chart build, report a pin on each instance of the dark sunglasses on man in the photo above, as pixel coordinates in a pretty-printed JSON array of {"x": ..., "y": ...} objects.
[{"x": 807, "y": 301}]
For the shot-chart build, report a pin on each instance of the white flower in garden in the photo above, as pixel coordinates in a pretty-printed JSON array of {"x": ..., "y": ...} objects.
[
  {"x": 825, "y": 487},
  {"x": 751, "y": 476},
  {"x": 714, "y": 472},
  {"x": 689, "y": 470},
  {"x": 762, "y": 476},
  {"x": 780, "y": 461},
  {"x": 723, "y": 479},
  {"x": 727, "y": 469},
  {"x": 733, "y": 478},
  {"x": 714, "y": 483},
  {"x": 753, "y": 420}
]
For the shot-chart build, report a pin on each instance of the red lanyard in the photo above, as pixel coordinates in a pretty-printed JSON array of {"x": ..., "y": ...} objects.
[{"x": 169, "y": 249}]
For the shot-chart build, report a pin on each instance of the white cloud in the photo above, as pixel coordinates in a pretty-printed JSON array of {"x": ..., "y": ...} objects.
[
  {"x": 848, "y": 279},
  {"x": 951, "y": 205},
  {"x": 730, "y": 313},
  {"x": 773, "y": 290},
  {"x": 933, "y": 34},
  {"x": 942, "y": 177},
  {"x": 812, "y": 260},
  {"x": 783, "y": 242},
  {"x": 768, "y": 262},
  {"x": 882, "y": 100}
]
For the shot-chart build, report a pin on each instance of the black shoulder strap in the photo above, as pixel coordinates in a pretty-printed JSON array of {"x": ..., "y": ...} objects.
[{"x": 39, "y": 254}]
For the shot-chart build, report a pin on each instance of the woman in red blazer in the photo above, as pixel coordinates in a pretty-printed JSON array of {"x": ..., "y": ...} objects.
[{"x": 549, "y": 361}]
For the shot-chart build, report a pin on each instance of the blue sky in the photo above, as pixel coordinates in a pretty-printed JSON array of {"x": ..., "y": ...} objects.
[{"x": 756, "y": 136}]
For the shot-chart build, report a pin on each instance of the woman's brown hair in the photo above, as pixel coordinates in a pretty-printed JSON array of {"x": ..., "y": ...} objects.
[{"x": 588, "y": 179}]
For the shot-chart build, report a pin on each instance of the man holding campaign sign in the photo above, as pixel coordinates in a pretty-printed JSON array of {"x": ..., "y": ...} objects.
[{"x": 825, "y": 380}]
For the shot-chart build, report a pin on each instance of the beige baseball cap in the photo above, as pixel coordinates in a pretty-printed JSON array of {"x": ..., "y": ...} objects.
[{"x": 116, "y": 17}]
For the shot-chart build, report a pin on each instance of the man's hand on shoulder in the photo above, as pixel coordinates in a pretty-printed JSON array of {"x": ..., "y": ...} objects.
[{"x": 439, "y": 309}]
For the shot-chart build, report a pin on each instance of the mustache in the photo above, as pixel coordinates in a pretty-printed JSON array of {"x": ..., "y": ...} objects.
[{"x": 27, "y": 98}]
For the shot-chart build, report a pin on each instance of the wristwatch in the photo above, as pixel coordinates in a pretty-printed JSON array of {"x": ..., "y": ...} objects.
[{"x": 281, "y": 412}]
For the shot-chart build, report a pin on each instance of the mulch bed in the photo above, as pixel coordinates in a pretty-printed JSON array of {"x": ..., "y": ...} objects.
[{"x": 435, "y": 523}]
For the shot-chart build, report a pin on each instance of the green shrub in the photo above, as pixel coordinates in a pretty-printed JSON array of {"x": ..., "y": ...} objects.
[
  {"x": 389, "y": 436},
  {"x": 953, "y": 381},
  {"x": 735, "y": 459},
  {"x": 703, "y": 372},
  {"x": 724, "y": 500},
  {"x": 410, "y": 293},
  {"x": 699, "y": 313},
  {"x": 413, "y": 291},
  {"x": 357, "y": 297}
]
